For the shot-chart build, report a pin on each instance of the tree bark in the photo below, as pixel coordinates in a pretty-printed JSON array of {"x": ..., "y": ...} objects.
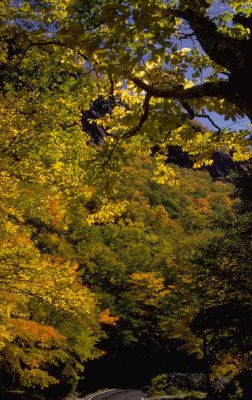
[{"x": 224, "y": 50}]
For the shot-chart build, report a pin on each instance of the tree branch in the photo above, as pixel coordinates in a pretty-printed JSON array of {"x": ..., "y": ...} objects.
[
  {"x": 210, "y": 120},
  {"x": 223, "y": 49},
  {"x": 143, "y": 118},
  {"x": 220, "y": 89},
  {"x": 192, "y": 115}
]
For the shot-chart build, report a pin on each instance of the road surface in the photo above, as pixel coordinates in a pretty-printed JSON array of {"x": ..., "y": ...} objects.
[{"x": 119, "y": 394}]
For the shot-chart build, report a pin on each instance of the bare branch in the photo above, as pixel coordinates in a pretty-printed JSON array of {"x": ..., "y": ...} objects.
[
  {"x": 210, "y": 120},
  {"x": 192, "y": 115}
]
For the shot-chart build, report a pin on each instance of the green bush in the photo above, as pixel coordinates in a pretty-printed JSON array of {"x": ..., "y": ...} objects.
[{"x": 159, "y": 385}]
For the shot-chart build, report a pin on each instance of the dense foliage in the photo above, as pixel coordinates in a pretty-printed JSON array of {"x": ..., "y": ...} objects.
[{"x": 99, "y": 240}]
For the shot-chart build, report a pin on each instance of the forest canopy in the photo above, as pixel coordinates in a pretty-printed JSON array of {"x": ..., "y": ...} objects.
[{"x": 101, "y": 234}]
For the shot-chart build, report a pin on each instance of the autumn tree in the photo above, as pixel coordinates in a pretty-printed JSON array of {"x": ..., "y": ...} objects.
[
  {"x": 139, "y": 265},
  {"x": 164, "y": 64},
  {"x": 145, "y": 47},
  {"x": 222, "y": 270},
  {"x": 43, "y": 302}
]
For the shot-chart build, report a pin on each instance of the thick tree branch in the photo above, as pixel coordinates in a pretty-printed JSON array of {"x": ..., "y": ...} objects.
[
  {"x": 224, "y": 50},
  {"x": 220, "y": 89}
]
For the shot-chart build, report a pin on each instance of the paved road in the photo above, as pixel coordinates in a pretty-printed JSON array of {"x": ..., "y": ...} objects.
[{"x": 120, "y": 394}]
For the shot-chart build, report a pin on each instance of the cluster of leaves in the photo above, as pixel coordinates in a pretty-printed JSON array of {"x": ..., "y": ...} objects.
[
  {"x": 49, "y": 321},
  {"x": 177, "y": 259},
  {"x": 43, "y": 302},
  {"x": 140, "y": 265},
  {"x": 225, "y": 317},
  {"x": 74, "y": 235}
]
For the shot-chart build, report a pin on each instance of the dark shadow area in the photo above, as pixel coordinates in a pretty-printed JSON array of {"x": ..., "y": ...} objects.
[{"x": 134, "y": 368}]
